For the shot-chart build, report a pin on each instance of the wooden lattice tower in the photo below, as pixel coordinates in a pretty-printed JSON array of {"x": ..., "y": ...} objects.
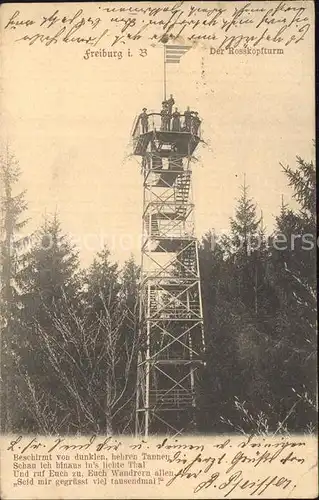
[{"x": 171, "y": 331}]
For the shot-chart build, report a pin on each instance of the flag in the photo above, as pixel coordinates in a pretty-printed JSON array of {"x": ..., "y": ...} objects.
[{"x": 173, "y": 53}]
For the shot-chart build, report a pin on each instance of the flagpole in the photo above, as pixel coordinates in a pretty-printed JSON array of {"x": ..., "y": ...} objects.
[{"x": 164, "y": 72}]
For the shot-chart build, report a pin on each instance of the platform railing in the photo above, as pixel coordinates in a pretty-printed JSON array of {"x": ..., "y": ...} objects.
[
  {"x": 176, "y": 398},
  {"x": 168, "y": 229},
  {"x": 157, "y": 123}
]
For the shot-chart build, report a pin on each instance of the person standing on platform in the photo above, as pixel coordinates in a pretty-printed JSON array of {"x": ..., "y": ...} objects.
[
  {"x": 170, "y": 104},
  {"x": 188, "y": 119},
  {"x": 176, "y": 123},
  {"x": 165, "y": 118},
  {"x": 195, "y": 123},
  {"x": 144, "y": 121}
]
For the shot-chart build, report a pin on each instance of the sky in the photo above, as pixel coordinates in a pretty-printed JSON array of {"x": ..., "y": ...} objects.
[{"x": 68, "y": 120}]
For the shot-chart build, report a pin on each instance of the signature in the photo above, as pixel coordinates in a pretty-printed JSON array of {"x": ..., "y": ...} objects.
[
  {"x": 221, "y": 470},
  {"x": 237, "y": 480}
]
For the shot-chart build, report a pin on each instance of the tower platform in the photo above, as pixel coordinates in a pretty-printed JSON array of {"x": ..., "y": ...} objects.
[{"x": 164, "y": 141}]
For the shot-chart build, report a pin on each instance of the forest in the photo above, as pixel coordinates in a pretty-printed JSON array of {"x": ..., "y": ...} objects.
[{"x": 69, "y": 336}]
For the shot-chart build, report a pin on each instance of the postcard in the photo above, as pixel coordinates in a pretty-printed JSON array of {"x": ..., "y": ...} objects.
[{"x": 158, "y": 250}]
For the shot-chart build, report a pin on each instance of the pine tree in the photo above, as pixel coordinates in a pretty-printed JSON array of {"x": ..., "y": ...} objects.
[
  {"x": 130, "y": 283},
  {"x": 233, "y": 284},
  {"x": 293, "y": 274},
  {"x": 50, "y": 271},
  {"x": 245, "y": 225},
  {"x": 127, "y": 372},
  {"x": 302, "y": 224},
  {"x": 265, "y": 302},
  {"x": 294, "y": 258},
  {"x": 303, "y": 182},
  {"x": 49, "y": 284},
  {"x": 12, "y": 222},
  {"x": 220, "y": 349},
  {"x": 244, "y": 240},
  {"x": 101, "y": 283},
  {"x": 12, "y": 208}
]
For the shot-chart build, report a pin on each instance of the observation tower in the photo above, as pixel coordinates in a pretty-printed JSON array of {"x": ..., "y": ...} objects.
[{"x": 171, "y": 329}]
